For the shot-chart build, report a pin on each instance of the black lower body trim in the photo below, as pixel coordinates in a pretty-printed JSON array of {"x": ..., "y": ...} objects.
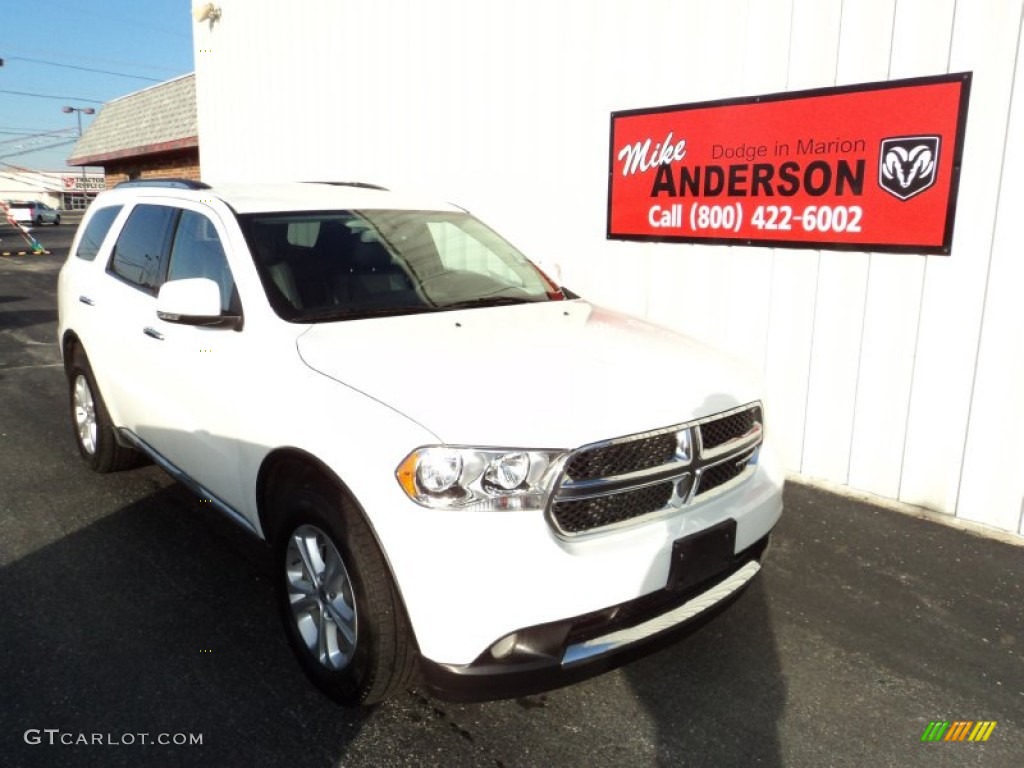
[{"x": 535, "y": 663}]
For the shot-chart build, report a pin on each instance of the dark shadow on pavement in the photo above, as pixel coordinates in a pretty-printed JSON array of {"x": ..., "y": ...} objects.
[
  {"x": 144, "y": 622},
  {"x": 716, "y": 697}
]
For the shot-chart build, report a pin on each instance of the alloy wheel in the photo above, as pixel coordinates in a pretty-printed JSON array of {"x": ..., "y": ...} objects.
[
  {"x": 320, "y": 594},
  {"x": 85, "y": 414}
]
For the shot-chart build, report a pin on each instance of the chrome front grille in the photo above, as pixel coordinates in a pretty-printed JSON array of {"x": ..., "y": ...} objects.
[
  {"x": 579, "y": 515},
  {"x": 621, "y": 458},
  {"x": 719, "y": 474},
  {"x": 623, "y": 481},
  {"x": 719, "y": 432}
]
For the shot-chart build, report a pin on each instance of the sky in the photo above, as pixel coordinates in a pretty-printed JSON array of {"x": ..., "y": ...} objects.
[{"x": 79, "y": 53}]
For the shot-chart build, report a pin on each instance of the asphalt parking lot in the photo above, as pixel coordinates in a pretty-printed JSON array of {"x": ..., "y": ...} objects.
[{"x": 126, "y": 609}]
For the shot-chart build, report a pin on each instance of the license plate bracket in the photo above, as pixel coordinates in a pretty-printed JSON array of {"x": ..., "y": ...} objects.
[{"x": 702, "y": 555}]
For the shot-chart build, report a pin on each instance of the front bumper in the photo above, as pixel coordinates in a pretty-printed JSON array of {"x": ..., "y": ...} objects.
[{"x": 560, "y": 653}]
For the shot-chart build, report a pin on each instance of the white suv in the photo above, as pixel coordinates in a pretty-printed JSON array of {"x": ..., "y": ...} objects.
[
  {"x": 469, "y": 476},
  {"x": 33, "y": 212}
]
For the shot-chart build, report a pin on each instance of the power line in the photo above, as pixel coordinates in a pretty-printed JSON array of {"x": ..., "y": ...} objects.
[
  {"x": 13, "y": 46},
  {"x": 82, "y": 69},
  {"x": 61, "y": 132},
  {"x": 27, "y": 131},
  {"x": 24, "y": 128},
  {"x": 51, "y": 96},
  {"x": 40, "y": 149}
]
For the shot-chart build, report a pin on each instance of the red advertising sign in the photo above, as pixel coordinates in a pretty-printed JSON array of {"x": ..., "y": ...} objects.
[{"x": 871, "y": 167}]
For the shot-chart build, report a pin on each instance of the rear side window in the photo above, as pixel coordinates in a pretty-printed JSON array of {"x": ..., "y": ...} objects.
[
  {"x": 140, "y": 254},
  {"x": 95, "y": 232}
]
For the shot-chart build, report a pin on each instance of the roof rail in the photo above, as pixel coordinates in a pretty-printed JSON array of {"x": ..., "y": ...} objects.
[
  {"x": 360, "y": 184},
  {"x": 172, "y": 183}
]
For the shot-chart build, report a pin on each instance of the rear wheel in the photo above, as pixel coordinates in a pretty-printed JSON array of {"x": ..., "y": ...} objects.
[
  {"x": 94, "y": 432},
  {"x": 56, "y": 221},
  {"x": 339, "y": 605}
]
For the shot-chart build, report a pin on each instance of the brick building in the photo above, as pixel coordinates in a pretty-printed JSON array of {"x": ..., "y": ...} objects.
[{"x": 148, "y": 133}]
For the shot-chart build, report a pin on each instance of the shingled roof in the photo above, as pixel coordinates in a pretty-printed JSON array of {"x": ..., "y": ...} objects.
[{"x": 157, "y": 119}]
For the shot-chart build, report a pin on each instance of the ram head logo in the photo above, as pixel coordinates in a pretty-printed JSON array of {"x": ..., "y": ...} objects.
[{"x": 907, "y": 165}]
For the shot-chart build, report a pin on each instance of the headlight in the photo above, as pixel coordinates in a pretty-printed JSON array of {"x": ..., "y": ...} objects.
[
  {"x": 443, "y": 477},
  {"x": 438, "y": 471},
  {"x": 507, "y": 472}
]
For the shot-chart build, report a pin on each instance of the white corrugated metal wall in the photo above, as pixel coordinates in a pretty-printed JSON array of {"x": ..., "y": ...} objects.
[{"x": 900, "y": 375}]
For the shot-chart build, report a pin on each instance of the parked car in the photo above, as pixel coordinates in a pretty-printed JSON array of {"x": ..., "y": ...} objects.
[
  {"x": 469, "y": 476},
  {"x": 33, "y": 212}
]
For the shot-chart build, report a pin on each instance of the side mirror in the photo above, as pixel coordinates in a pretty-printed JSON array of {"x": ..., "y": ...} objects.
[{"x": 193, "y": 301}]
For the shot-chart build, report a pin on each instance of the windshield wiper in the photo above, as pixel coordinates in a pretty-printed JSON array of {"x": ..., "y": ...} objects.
[
  {"x": 489, "y": 301},
  {"x": 328, "y": 315}
]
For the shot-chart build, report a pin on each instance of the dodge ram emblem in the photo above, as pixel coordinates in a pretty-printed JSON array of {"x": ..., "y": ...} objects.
[{"x": 907, "y": 165}]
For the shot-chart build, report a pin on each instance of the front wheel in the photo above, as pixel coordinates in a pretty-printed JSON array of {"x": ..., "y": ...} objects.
[
  {"x": 94, "y": 432},
  {"x": 340, "y": 607},
  {"x": 56, "y": 221}
]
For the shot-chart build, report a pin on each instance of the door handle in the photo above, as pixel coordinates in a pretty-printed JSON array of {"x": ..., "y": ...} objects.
[
  {"x": 86, "y": 300},
  {"x": 153, "y": 333}
]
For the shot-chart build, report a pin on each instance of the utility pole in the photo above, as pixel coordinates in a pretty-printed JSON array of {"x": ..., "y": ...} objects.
[{"x": 78, "y": 113}]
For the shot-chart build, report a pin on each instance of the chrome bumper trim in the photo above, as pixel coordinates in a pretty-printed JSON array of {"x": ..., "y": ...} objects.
[{"x": 616, "y": 640}]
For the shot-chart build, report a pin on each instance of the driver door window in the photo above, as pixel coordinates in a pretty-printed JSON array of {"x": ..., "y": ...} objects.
[{"x": 198, "y": 252}]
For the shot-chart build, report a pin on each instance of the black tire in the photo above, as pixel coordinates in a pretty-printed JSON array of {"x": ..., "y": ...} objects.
[
  {"x": 91, "y": 425},
  {"x": 56, "y": 221},
  {"x": 39, "y": 221},
  {"x": 382, "y": 659}
]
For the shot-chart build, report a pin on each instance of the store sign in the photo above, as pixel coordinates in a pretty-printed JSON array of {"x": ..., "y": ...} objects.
[
  {"x": 871, "y": 167},
  {"x": 92, "y": 183}
]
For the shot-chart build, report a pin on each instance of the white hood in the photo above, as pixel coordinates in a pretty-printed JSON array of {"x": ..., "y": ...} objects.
[{"x": 545, "y": 375}]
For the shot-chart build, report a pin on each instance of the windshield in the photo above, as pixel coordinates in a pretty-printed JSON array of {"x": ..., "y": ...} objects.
[{"x": 337, "y": 265}]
